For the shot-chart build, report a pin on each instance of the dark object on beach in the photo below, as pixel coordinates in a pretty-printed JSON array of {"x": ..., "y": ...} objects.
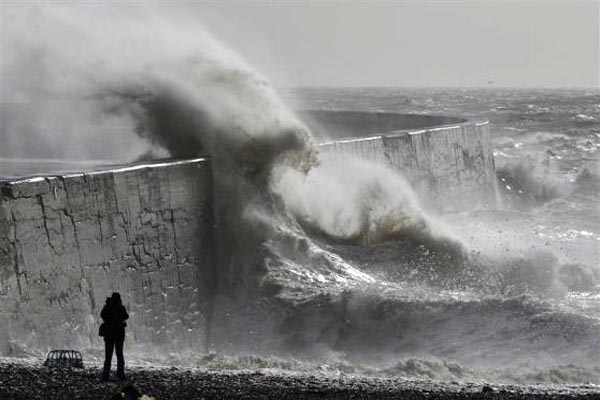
[
  {"x": 64, "y": 358},
  {"x": 112, "y": 329},
  {"x": 129, "y": 392},
  {"x": 487, "y": 390}
]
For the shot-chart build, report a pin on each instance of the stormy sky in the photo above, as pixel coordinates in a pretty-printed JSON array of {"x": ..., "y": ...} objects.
[
  {"x": 524, "y": 43},
  {"x": 413, "y": 43}
]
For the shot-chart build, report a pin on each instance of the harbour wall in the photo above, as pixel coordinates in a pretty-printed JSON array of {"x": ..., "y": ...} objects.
[
  {"x": 67, "y": 241},
  {"x": 450, "y": 167}
]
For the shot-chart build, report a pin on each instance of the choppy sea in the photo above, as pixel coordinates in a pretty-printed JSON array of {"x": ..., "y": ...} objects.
[{"x": 524, "y": 305}]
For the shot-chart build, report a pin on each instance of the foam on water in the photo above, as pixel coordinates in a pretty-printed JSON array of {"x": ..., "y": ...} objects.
[{"x": 360, "y": 201}]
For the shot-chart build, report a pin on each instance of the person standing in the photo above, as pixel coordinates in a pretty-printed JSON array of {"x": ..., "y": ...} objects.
[{"x": 112, "y": 329}]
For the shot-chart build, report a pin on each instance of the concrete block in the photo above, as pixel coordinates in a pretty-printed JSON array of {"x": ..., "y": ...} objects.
[{"x": 67, "y": 242}]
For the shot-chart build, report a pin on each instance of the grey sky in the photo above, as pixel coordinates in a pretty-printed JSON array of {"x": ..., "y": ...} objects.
[{"x": 447, "y": 43}]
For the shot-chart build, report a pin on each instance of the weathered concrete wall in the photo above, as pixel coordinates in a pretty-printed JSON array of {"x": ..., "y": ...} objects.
[
  {"x": 451, "y": 167},
  {"x": 67, "y": 242}
]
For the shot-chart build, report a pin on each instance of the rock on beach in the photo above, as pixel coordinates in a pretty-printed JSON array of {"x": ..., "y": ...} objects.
[{"x": 31, "y": 381}]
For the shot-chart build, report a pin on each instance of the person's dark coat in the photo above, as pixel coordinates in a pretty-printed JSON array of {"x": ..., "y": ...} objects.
[{"x": 114, "y": 316}]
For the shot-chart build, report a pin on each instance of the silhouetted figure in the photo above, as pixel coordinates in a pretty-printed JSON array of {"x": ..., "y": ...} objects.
[{"x": 114, "y": 315}]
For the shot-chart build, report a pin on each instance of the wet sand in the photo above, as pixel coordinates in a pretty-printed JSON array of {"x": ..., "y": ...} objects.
[{"x": 32, "y": 381}]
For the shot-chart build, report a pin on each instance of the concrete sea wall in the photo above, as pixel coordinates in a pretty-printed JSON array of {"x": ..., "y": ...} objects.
[
  {"x": 67, "y": 242},
  {"x": 451, "y": 167}
]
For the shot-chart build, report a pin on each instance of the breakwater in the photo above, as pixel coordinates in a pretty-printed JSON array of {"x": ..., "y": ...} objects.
[
  {"x": 67, "y": 242},
  {"x": 146, "y": 230},
  {"x": 451, "y": 166}
]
